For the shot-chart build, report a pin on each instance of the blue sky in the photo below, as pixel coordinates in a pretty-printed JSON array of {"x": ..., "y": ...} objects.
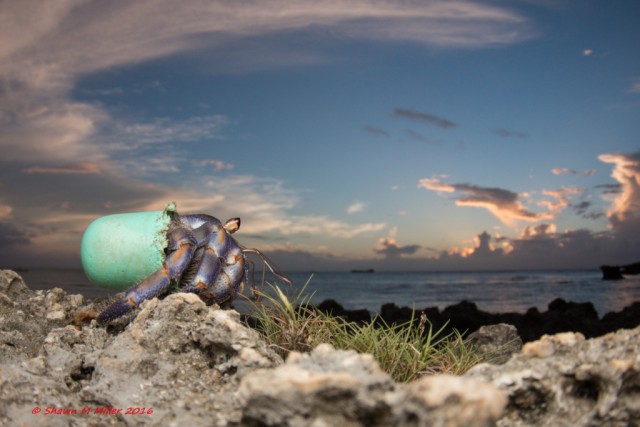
[{"x": 351, "y": 134}]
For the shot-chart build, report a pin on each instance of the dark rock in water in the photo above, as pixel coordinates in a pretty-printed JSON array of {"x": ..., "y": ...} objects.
[
  {"x": 616, "y": 272},
  {"x": 611, "y": 272},
  {"x": 631, "y": 269},
  {"x": 496, "y": 343},
  {"x": 570, "y": 316},
  {"x": 561, "y": 316},
  {"x": 332, "y": 307},
  {"x": 394, "y": 315},
  {"x": 466, "y": 317},
  {"x": 627, "y": 318}
]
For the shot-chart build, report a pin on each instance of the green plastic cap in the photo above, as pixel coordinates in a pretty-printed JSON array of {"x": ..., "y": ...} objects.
[{"x": 120, "y": 250}]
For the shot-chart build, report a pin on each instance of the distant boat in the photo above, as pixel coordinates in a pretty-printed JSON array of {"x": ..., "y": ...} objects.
[{"x": 369, "y": 270}]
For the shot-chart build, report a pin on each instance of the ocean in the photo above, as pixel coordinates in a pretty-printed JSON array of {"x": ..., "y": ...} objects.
[{"x": 496, "y": 292}]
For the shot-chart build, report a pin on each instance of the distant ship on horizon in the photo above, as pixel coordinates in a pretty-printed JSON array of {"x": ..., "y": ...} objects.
[{"x": 369, "y": 270}]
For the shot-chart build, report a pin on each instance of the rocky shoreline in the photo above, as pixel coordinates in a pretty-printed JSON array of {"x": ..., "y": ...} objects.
[
  {"x": 560, "y": 316},
  {"x": 178, "y": 362}
]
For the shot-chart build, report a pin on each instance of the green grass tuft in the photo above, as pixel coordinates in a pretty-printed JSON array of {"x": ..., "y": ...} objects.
[{"x": 404, "y": 351}]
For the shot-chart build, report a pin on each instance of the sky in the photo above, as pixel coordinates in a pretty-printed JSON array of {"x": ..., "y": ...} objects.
[{"x": 388, "y": 134}]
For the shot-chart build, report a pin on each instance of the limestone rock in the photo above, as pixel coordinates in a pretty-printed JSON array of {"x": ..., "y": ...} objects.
[
  {"x": 184, "y": 363},
  {"x": 343, "y": 388},
  {"x": 566, "y": 380}
]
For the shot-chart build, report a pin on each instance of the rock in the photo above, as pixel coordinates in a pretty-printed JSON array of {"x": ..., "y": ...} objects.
[
  {"x": 343, "y": 388},
  {"x": 333, "y": 308},
  {"x": 627, "y": 318},
  {"x": 617, "y": 272},
  {"x": 178, "y": 357},
  {"x": 445, "y": 400},
  {"x": 566, "y": 380},
  {"x": 565, "y": 316},
  {"x": 611, "y": 272},
  {"x": 496, "y": 343},
  {"x": 631, "y": 269},
  {"x": 178, "y": 361},
  {"x": 392, "y": 314},
  {"x": 181, "y": 357}
]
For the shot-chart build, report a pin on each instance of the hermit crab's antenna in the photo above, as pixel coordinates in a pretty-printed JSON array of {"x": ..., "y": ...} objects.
[{"x": 266, "y": 262}]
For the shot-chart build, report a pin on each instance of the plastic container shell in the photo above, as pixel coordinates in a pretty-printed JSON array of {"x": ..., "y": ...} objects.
[{"x": 118, "y": 251}]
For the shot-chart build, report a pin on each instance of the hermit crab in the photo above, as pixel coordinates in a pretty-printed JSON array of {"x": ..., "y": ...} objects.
[{"x": 153, "y": 252}]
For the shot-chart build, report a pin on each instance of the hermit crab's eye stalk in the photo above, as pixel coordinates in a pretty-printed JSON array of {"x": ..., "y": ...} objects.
[
  {"x": 266, "y": 262},
  {"x": 232, "y": 225}
]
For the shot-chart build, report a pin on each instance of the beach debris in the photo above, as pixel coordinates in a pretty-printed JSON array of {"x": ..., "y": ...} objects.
[{"x": 153, "y": 252}]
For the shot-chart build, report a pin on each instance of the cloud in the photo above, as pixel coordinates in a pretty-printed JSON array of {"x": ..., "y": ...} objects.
[
  {"x": 5, "y": 212},
  {"x": 51, "y": 139},
  {"x": 582, "y": 207},
  {"x": 561, "y": 198},
  {"x": 356, "y": 207},
  {"x": 635, "y": 87},
  {"x": 610, "y": 189},
  {"x": 436, "y": 184},
  {"x": 38, "y": 129},
  {"x": 626, "y": 170},
  {"x": 504, "y": 204},
  {"x": 424, "y": 117},
  {"x": 114, "y": 33},
  {"x": 416, "y": 135},
  {"x": 218, "y": 165},
  {"x": 48, "y": 217},
  {"x": 506, "y": 133},
  {"x": 45, "y": 50},
  {"x": 11, "y": 236},
  {"x": 388, "y": 246},
  {"x": 165, "y": 130},
  {"x": 538, "y": 231},
  {"x": 81, "y": 168},
  {"x": 564, "y": 171},
  {"x": 376, "y": 131},
  {"x": 587, "y": 52}
]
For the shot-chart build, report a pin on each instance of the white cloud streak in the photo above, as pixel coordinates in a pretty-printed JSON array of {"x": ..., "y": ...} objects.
[{"x": 356, "y": 207}]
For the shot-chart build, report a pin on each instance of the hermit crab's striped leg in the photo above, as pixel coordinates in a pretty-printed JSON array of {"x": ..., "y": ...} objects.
[
  {"x": 231, "y": 279},
  {"x": 217, "y": 278},
  {"x": 211, "y": 239},
  {"x": 182, "y": 245}
]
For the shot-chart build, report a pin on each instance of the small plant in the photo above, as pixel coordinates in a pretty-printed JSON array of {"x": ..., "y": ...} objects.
[
  {"x": 404, "y": 351},
  {"x": 292, "y": 325}
]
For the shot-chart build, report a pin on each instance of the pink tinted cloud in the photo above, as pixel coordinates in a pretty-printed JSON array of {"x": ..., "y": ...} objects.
[
  {"x": 626, "y": 170},
  {"x": 563, "y": 171},
  {"x": 82, "y": 168},
  {"x": 504, "y": 204}
]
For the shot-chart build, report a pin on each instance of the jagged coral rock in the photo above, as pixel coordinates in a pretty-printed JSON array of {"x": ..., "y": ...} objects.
[
  {"x": 197, "y": 365},
  {"x": 342, "y": 388},
  {"x": 566, "y": 380}
]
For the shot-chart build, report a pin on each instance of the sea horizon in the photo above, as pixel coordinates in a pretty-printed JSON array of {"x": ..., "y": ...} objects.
[{"x": 492, "y": 291}]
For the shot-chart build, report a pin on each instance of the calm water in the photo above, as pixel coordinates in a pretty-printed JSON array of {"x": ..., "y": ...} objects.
[{"x": 491, "y": 291}]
